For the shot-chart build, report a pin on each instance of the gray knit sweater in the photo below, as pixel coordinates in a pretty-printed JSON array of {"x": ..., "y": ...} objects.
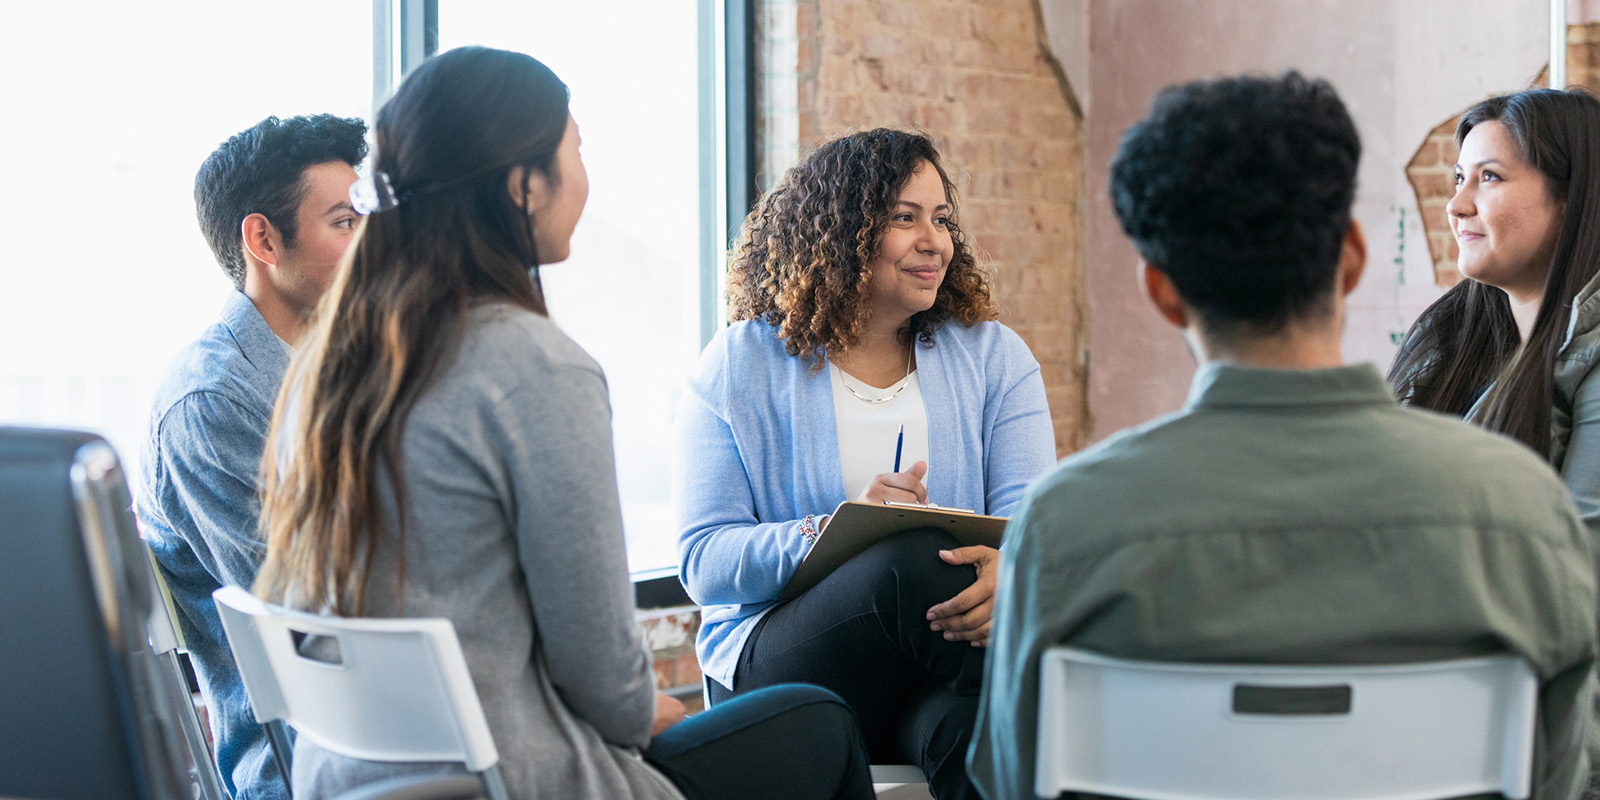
[{"x": 514, "y": 533}]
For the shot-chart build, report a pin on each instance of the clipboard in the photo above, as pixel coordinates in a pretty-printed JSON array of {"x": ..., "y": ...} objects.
[{"x": 856, "y": 526}]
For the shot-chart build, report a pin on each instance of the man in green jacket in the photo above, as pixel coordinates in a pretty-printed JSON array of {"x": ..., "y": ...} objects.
[{"x": 1292, "y": 512}]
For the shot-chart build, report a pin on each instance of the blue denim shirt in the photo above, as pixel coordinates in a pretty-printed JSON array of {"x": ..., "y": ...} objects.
[{"x": 197, "y": 506}]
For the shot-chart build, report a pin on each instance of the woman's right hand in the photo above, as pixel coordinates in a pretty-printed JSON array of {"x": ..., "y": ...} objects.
[{"x": 897, "y": 487}]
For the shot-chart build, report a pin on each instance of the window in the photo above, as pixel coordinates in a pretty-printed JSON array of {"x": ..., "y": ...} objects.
[
  {"x": 108, "y": 276},
  {"x": 633, "y": 293}
]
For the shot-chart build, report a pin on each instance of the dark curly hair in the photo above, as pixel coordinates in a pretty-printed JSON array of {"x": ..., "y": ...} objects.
[
  {"x": 803, "y": 259},
  {"x": 260, "y": 170},
  {"x": 1239, "y": 190}
]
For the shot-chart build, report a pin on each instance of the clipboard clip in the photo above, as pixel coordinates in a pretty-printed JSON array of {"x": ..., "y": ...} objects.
[{"x": 929, "y": 507}]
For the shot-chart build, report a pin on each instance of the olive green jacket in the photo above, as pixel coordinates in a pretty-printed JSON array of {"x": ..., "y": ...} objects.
[
  {"x": 1575, "y": 412},
  {"x": 1296, "y": 517}
]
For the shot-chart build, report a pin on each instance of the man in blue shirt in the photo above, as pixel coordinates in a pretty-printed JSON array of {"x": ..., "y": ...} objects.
[
  {"x": 1291, "y": 512},
  {"x": 273, "y": 202}
]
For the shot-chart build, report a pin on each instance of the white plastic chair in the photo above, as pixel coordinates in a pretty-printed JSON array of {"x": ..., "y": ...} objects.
[
  {"x": 1159, "y": 731},
  {"x": 899, "y": 782},
  {"x": 400, "y": 690}
]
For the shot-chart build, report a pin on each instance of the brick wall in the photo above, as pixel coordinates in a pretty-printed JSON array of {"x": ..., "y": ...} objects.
[
  {"x": 979, "y": 77},
  {"x": 669, "y": 633},
  {"x": 1431, "y": 174},
  {"x": 1431, "y": 171}
]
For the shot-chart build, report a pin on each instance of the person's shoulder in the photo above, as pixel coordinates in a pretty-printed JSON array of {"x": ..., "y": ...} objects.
[
  {"x": 750, "y": 344},
  {"x": 1115, "y": 460},
  {"x": 1461, "y": 453},
  {"x": 988, "y": 333},
  {"x": 504, "y": 339},
  {"x": 748, "y": 338},
  {"x": 989, "y": 341},
  {"x": 214, "y": 366}
]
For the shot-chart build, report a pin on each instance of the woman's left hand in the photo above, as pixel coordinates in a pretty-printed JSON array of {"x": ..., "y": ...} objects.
[
  {"x": 669, "y": 712},
  {"x": 966, "y": 616}
]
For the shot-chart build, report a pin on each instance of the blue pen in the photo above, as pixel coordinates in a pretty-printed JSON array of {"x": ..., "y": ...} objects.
[{"x": 899, "y": 442}]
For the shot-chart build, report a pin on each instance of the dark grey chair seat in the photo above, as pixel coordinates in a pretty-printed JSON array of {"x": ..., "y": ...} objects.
[{"x": 89, "y": 710}]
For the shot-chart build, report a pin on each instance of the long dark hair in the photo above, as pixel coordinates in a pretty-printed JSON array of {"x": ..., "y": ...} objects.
[
  {"x": 448, "y": 142},
  {"x": 1467, "y": 342},
  {"x": 803, "y": 260}
]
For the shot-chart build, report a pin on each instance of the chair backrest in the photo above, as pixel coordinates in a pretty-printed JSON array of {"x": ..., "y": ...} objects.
[
  {"x": 89, "y": 709},
  {"x": 398, "y": 689},
  {"x": 1162, "y": 731}
]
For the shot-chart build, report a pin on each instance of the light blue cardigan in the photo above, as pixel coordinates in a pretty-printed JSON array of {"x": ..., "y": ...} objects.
[{"x": 757, "y": 450}]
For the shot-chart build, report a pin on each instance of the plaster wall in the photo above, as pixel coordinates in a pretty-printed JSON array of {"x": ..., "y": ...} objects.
[{"x": 1400, "y": 67}]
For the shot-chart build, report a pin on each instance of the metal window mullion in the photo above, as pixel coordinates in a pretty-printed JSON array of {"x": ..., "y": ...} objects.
[
  {"x": 404, "y": 34},
  {"x": 383, "y": 53},
  {"x": 1558, "y": 44}
]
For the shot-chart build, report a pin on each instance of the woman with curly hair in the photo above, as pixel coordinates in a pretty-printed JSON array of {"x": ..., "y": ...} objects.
[{"x": 857, "y": 308}]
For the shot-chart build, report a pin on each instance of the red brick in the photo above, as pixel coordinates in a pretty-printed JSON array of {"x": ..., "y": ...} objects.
[{"x": 666, "y": 674}]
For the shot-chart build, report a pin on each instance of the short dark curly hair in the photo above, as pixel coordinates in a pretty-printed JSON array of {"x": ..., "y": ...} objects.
[
  {"x": 803, "y": 259},
  {"x": 1239, "y": 190},
  {"x": 260, "y": 170}
]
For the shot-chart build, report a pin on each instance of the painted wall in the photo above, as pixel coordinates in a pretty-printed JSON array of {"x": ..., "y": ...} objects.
[{"x": 1401, "y": 68}]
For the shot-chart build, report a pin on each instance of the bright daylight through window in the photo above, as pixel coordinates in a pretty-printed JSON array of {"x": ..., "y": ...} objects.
[{"x": 110, "y": 276}]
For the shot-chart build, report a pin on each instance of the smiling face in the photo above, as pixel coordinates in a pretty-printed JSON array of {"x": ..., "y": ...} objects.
[
  {"x": 915, "y": 249},
  {"x": 1503, "y": 215}
]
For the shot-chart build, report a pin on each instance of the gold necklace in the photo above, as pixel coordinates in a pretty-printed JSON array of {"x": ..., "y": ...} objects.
[{"x": 904, "y": 382}]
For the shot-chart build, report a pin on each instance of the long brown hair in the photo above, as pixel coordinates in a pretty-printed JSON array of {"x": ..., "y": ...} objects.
[
  {"x": 803, "y": 258},
  {"x": 1467, "y": 342},
  {"x": 447, "y": 142}
]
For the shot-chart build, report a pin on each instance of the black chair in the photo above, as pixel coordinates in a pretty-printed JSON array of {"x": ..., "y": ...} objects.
[{"x": 88, "y": 709}]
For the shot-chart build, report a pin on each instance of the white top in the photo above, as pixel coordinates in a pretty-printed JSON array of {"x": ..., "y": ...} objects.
[{"x": 867, "y": 431}]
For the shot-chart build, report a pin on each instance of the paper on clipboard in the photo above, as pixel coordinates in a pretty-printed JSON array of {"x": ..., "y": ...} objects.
[{"x": 856, "y": 526}]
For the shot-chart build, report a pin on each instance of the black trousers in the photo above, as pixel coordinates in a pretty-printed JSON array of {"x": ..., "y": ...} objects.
[
  {"x": 863, "y": 633},
  {"x": 784, "y": 743}
]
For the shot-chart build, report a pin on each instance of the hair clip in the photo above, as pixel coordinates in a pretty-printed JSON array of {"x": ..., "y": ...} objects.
[{"x": 373, "y": 194}]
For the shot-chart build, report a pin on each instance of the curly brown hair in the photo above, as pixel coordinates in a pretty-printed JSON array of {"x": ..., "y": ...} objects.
[{"x": 803, "y": 258}]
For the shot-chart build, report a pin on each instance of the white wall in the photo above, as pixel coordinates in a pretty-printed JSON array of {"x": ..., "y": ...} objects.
[{"x": 1402, "y": 68}]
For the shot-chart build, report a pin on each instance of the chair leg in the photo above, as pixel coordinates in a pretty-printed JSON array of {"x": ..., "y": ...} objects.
[
  {"x": 205, "y": 776},
  {"x": 282, "y": 751},
  {"x": 494, "y": 784}
]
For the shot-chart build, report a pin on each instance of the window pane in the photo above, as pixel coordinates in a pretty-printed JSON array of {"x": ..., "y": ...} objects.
[
  {"x": 629, "y": 293},
  {"x": 107, "y": 274}
]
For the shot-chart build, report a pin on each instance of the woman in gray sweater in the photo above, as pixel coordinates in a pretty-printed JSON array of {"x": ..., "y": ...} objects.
[{"x": 442, "y": 449}]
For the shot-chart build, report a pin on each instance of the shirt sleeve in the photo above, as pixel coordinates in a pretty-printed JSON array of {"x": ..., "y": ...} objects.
[
  {"x": 209, "y": 460},
  {"x": 1581, "y": 469},
  {"x": 1022, "y": 438},
  {"x": 727, "y": 555},
  {"x": 567, "y": 520}
]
